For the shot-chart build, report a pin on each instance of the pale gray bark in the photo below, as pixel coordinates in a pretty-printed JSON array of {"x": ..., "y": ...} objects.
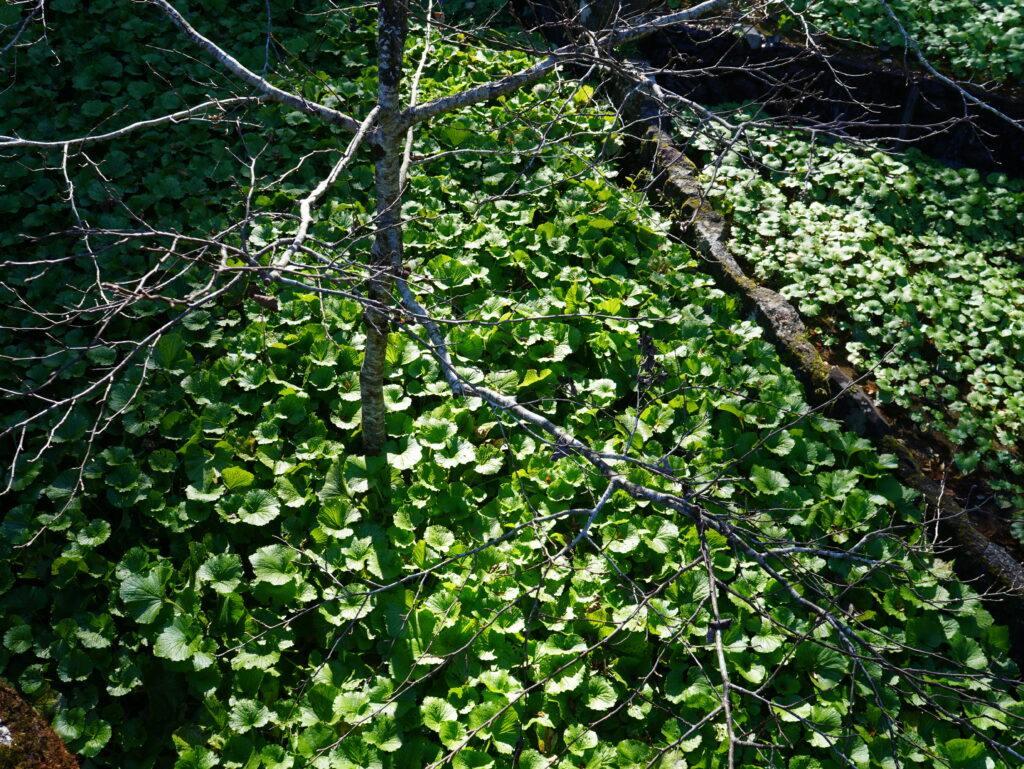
[
  {"x": 386, "y": 254},
  {"x": 261, "y": 84},
  {"x": 389, "y": 137},
  {"x": 533, "y": 73},
  {"x": 212, "y": 108},
  {"x": 314, "y": 197}
]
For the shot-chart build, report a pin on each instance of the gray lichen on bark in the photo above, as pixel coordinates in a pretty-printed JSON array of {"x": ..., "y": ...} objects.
[{"x": 386, "y": 253}]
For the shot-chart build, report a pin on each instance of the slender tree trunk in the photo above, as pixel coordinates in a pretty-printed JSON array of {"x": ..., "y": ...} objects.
[{"x": 386, "y": 254}]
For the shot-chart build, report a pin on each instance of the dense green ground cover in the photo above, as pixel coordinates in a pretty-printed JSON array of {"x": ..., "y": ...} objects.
[
  {"x": 912, "y": 269},
  {"x": 975, "y": 40},
  {"x": 236, "y": 585}
]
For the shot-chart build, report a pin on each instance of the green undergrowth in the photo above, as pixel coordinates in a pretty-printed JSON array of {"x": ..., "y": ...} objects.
[
  {"x": 976, "y": 40},
  {"x": 912, "y": 268},
  {"x": 222, "y": 579}
]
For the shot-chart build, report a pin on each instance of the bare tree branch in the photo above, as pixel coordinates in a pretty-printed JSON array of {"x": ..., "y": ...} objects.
[
  {"x": 533, "y": 73},
  {"x": 182, "y": 115},
  {"x": 261, "y": 84}
]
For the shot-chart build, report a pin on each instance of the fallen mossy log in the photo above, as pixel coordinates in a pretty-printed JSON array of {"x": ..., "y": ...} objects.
[{"x": 832, "y": 387}]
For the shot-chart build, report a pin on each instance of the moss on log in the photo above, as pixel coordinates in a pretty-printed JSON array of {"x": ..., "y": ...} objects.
[
  {"x": 32, "y": 742},
  {"x": 833, "y": 387}
]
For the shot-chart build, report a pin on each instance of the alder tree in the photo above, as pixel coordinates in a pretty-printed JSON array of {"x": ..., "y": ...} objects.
[{"x": 364, "y": 413}]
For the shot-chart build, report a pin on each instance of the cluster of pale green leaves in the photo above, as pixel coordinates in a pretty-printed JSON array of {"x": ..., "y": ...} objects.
[{"x": 912, "y": 268}]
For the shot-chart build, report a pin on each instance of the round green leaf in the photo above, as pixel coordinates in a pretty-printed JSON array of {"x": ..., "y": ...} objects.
[
  {"x": 143, "y": 595},
  {"x": 247, "y": 714},
  {"x": 435, "y": 711},
  {"x": 223, "y": 572},
  {"x": 259, "y": 507},
  {"x": 600, "y": 694},
  {"x": 236, "y": 478},
  {"x": 273, "y": 564}
]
